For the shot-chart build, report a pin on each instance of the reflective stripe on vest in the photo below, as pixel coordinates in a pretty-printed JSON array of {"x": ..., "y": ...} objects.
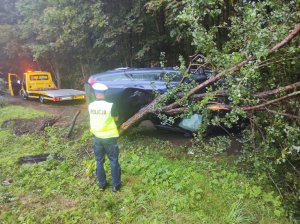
[{"x": 101, "y": 122}]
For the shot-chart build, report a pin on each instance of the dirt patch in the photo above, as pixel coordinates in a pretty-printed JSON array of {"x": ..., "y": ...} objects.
[
  {"x": 24, "y": 126},
  {"x": 36, "y": 202},
  {"x": 131, "y": 180},
  {"x": 61, "y": 202},
  {"x": 40, "y": 158},
  {"x": 31, "y": 200}
]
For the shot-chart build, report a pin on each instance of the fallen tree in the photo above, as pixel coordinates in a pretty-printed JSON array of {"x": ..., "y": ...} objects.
[{"x": 174, "y": 108}]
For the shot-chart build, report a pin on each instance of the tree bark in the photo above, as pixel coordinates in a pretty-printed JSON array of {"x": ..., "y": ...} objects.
[{"x": 54, "y": 66}]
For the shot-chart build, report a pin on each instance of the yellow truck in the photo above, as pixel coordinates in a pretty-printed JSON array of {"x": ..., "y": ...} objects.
[{"x": 39, "y": 85}]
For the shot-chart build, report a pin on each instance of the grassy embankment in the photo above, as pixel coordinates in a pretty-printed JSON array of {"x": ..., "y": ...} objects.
[{"x": 161, "y": 183}]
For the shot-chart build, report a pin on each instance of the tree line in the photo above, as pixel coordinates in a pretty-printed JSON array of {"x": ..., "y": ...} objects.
[{"x": 74, "y": 39}]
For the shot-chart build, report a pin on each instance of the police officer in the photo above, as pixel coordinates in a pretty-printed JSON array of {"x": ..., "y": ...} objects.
[{"x": 103, "y": 127}]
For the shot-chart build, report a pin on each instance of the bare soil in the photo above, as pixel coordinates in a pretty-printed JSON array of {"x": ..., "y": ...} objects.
[{"x": 24, "y": 126}]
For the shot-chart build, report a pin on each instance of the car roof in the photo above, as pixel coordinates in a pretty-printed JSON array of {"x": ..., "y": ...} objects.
[{"x": 136, "y": 70}]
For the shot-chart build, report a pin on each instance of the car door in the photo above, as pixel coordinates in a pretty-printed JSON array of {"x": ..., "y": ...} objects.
[{"x": 14, "y": 84}]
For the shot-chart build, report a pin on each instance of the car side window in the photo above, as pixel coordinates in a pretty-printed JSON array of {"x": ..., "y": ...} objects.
[
  {"x": 156, "y": 76},
  {"x": 153, "y": 76},
  {"x": 113, "y": 77}
]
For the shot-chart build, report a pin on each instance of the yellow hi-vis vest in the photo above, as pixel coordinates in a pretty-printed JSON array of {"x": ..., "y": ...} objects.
[{"x": 101, "y": 122}]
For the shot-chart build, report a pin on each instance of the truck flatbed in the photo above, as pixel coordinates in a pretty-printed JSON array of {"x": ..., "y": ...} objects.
[
  {"x": 39, "y": 85},
  {"x": 64, "y": 92}
]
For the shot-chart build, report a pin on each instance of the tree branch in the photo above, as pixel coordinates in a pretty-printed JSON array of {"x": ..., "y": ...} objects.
[
  {"x": 150, "y": 108},
  {"x": 138, "y": 116},
  {"x": 283, "y": 114},
  {"x": 256, "y": 107},
  {"x": 286, "y": 40},
  {"x": 235, "y": 68},
  {"x": 257, "y": 95},
  {"x": 219, "y": 106},
  {"x": 72, "y": 124},
  {"x": 275, "y": 91}
]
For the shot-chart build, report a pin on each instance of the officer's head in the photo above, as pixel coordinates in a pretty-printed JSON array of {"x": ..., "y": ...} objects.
[{"x": 100, "y": 90}]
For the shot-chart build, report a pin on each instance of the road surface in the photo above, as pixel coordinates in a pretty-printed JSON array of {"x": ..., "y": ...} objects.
[{"x": 66, "y": 109}]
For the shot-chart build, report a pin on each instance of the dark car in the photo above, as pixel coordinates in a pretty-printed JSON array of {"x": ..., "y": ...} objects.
[{"x": 133, "y": 88}]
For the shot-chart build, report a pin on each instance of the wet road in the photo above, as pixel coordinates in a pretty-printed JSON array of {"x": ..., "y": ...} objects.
[{"x": 66, "y": 110}]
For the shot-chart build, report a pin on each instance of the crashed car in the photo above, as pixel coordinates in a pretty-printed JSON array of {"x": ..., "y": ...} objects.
[{"x": 133, "y": 88}]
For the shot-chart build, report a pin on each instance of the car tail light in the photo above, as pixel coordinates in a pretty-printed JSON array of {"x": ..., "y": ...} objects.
[
  {"x": 91, "y": 81},
  {"x": 56, "y": 99}
]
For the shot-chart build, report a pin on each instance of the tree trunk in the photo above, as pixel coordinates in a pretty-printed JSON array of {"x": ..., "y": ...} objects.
[{"x": 56, "y": 72}]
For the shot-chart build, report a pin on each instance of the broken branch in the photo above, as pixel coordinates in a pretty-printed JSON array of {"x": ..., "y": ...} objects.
[
  {"x": 283, "y": 114},
  {"x": 72, "y": 124},
  {"x": 275, "y": 91},
  {"x": 150, "y": 108},
  {"x": 235, "y": 68},
  {"x": 256, "y": 107},
  {"x": 218, "y": 106},
  {"x": 138, "y": 116}
]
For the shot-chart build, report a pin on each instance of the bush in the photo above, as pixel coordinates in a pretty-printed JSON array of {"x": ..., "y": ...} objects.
[
  {"x": 2, "y": 87},
  {"x": 3, "y": 102}
]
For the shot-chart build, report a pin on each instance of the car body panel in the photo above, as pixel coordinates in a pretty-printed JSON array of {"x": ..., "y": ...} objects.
[{"x": 133, "y": 88}]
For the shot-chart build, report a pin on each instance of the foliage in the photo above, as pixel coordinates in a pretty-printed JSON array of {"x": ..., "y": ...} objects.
[
  {"x": 2, "y": 87},
  {"x": 3, "y": 102},
  {"x": 227, "y": 33},
  {"x": 156, "y": 188},
  {"x": 74, "y": 40},
  {"x": 213, "y": 147}
]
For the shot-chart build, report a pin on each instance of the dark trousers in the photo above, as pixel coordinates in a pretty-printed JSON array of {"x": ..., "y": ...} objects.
[{"x": 109, "y": 147}]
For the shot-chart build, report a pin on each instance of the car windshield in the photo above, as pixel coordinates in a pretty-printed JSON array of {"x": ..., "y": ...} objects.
[{"x": 39, "y": 77}]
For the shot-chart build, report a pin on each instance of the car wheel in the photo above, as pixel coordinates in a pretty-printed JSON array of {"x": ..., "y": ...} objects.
[{"x": 41, "y": 99}]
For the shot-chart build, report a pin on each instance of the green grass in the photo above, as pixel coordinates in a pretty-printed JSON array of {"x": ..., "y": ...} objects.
[
  {"x": 161, "y": 184},
  {"x": 12, "y": 112}
]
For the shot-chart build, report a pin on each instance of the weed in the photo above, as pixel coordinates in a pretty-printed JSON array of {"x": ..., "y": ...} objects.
[
  {"x": 238, "y": 214},
  {"x": 3, "y": 102}
]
